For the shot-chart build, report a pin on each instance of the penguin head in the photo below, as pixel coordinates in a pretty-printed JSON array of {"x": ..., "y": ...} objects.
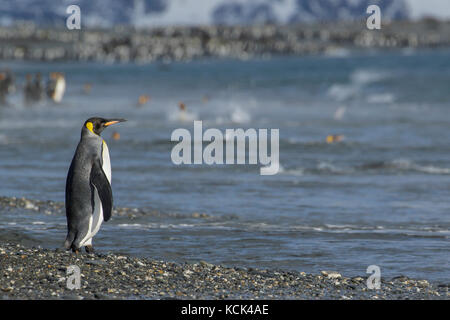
[{"x": 97, "y": 125}]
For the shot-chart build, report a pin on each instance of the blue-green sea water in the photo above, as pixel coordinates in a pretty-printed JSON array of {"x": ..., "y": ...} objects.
[{"x": 379, "y": 197}]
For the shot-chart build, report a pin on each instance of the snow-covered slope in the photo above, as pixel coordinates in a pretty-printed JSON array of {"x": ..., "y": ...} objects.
[
  {"x": 436, "y": 8},
  {"x": 194, "y": 12}
]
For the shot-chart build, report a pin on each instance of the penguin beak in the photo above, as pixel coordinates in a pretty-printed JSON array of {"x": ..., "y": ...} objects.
[{"x": 113, "y": 121}]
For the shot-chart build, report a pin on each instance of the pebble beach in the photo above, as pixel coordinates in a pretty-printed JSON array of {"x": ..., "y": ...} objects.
[{"x": 36, "y": 273}]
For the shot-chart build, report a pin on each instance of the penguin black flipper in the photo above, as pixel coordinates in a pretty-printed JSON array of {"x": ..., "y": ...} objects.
[{"x": 101, "y": 183}]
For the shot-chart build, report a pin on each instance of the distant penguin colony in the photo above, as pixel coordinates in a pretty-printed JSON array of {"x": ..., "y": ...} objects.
[
  {"x": 89, "y": 197},
  {"x": 33, "y": 90},
  {"x": 56, "y": 86},
  {"x": 7, "y": 85}
]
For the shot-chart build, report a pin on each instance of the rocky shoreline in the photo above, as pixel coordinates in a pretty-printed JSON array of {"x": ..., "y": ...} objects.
[
  {"x": 50, "y": 207},
  {"x": 36, "y": 273},
  {"x": 126, "y": 44}
]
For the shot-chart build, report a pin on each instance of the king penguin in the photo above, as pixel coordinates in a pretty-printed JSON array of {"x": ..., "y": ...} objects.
[
  {"x": 89, "y": 198},
  {"x": 56, "y": 86}
]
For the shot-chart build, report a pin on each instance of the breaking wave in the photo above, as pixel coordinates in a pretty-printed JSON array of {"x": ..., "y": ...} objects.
[
  {"x": 358, "y": 80},
  {"x": 395, "y": 166}
]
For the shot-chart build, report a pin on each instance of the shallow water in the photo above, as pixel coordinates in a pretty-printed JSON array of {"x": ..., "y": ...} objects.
[{"x": 379, "y": 197}]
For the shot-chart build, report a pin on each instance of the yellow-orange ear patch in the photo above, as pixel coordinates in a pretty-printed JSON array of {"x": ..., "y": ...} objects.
[{"x": 90, "y": 126}]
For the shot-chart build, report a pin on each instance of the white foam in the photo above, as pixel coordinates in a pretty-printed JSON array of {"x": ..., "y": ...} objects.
[
  {"x": 327, "y": 166},
  {"x": 381, "y": 98},
  {"x": 294, "y": 172},
  {"x": 339, "y": 113},
  {"x": 433, "y": 170},
  {"x": 358, "y": 79},
  {"x": 367, "y": 76},
  {"x": 405, "y": 164},
  {"x": 131, "y": 225},
  {"x": 182, "y": 116},
  {"x": 342, "y": 92},
  {"x": 240, "y": 116}
]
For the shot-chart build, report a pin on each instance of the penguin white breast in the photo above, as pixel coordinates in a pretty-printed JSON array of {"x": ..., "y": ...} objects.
[
  {"x": 98, "y": 208},
  {"x": 96, "y": 219},
  {"x": 60, "y": 87},
  {"x": 106, "y": 161}
]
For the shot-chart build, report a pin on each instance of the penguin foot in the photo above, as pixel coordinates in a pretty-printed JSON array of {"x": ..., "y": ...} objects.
[{"x": 89, "y": 249}]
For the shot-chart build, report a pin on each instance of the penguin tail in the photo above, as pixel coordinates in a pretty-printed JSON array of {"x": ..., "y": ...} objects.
[{"x": 69, "y": 241}]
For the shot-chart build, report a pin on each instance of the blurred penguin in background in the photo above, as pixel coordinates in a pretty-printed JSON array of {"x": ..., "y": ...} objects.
[
  {"x": 182, "y": 114},
  {"x": 28, "y": 90},
  {"x": 10, "y": 82},
  {"x": 87, "y": 87},
  {"x": 335, "y": 138},
  {"x": 56, "y": 86},
  {"x": 7, "y": 85},
  {"x": 38, "y": 88},
  {"x": 33, "y": 90},
  {"x": 2, "y": 89},
  {"x": 143, "y": 99}
]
